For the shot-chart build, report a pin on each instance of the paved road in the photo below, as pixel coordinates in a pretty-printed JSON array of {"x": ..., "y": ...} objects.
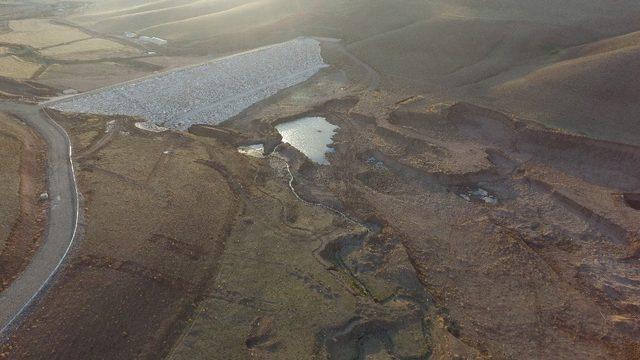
[
  {"x": 63, "y": 213},
  {"x": 62, "y": 220}
]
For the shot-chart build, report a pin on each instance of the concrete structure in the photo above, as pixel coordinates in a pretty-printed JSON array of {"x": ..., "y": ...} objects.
[
  {"x": 208, "y": 93},
  {"x": 153, "y": 40}
]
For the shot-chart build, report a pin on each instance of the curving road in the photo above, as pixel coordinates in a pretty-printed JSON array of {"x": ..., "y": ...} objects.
[
  {"x": 62, "y": 219},
  {"x": 64, "y": 206}
]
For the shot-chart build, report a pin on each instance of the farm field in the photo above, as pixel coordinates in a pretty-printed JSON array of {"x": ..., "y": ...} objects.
[
  {"x": 40, "y": 33},
  {"x": 14, "y": 67},
  {"x": 65, "y": 57},
  {"x": 90, "y": 49},
  {"x": 84, "y": 77}
]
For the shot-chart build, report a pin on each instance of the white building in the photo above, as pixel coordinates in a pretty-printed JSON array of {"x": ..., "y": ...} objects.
[{"x": 153, "y": 40}]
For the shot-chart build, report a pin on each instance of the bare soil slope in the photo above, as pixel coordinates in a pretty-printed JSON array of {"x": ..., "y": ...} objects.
[
  {"x": 214, "y": 257},
  {"x": 22, "y": 215},
  {"x": 147, "y": 262},
  {"x": 517, "y": 229}
]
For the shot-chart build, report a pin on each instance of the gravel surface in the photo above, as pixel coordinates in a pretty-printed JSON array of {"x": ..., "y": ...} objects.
[{"x": 208, "y": 93}]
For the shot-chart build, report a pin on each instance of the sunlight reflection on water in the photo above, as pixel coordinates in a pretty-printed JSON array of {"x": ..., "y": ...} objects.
[{"x": 310, "y": 135}]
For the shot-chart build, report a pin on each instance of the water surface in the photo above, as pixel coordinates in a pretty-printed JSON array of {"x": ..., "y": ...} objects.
[{"x": 310, "y": 135}]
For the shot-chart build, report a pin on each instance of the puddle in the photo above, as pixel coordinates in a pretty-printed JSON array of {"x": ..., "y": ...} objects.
[
  {"x": 310, "y": 135},
  {"x": 256, "y": 150}
]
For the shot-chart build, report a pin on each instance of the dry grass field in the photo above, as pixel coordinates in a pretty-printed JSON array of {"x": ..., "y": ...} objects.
[
  {"x": 84, "y": 77},
  {"x": 10, "y": 154},
  {"x": 14, "y": 67},
  {"x": 187, "y": 19},
  {"x": 215, "y": 257},
  {"x": 587, "y": 89},
  {"x": 39, "y": 33},
  {"x": 22, "y": 180},
  {"x": 64, "y": 56},
  {"x": 90, "y": 49},
  {"x": 466, "y": 232},
  {"x": 207, "y": 232},
  {"x": 26, "y": 90},
  {"x": 156, "y": 257}
]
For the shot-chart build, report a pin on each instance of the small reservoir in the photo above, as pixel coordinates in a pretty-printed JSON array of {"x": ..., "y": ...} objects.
[{"x": 310, "y": 135}]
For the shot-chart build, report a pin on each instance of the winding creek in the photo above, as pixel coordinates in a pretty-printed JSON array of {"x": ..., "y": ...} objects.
[{"x": 311, "y": 136}]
